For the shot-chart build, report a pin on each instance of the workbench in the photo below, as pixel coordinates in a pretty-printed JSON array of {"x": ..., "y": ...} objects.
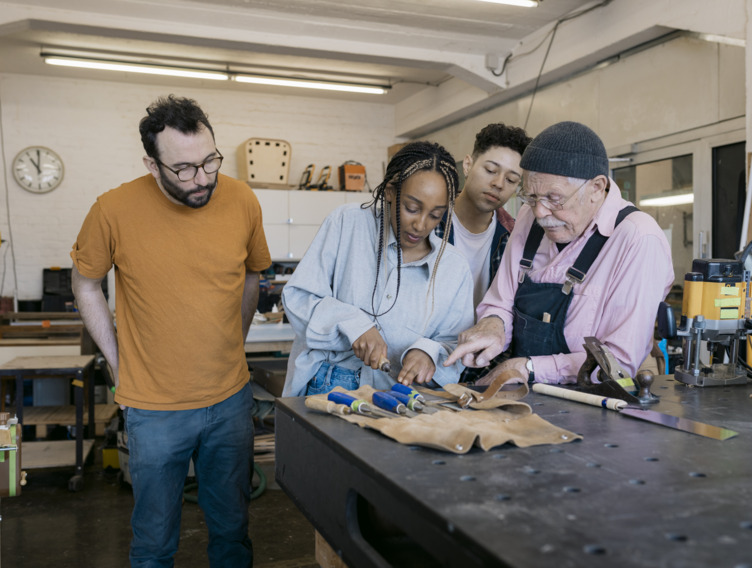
[
  {"x": 630, "y": 493},
  {"x": 78, "y": 369},
  {"x": 277, "y": 337}
]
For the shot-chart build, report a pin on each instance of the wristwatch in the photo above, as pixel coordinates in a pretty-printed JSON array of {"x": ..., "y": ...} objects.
[{"x": 530, "y": 372}]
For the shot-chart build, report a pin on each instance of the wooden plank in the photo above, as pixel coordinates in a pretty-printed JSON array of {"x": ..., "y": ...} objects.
[
  {"x": 51, "y": 453},
  {"x": 41, "y": 316},
  {"x": 266, "y": 346},
  {"x": 66, "y": 415},
  {"x": 263, "y": 448},
  {"x": 43, "y": 362},
  {"x": 325, "y": 555},
  {"x": 39, "y": 341}
]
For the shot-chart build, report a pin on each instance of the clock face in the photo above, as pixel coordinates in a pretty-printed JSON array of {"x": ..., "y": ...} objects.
[{"x": 38, "y": 169}]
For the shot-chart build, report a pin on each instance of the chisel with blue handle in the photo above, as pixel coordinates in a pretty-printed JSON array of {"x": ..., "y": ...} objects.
[
  {"x": 432, "y": 403},
  {"x": 411, "y": 403},
  {"x": 409, "y": 391},
  {"x": 357, "y": 405},
  {"x": 387, "y": 402}
]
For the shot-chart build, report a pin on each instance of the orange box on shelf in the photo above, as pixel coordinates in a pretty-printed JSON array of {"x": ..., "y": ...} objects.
[{"x": 352, "y": 177}]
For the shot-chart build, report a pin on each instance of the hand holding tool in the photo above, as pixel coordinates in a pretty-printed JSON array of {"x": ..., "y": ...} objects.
[{"x": 384, "y": 364}]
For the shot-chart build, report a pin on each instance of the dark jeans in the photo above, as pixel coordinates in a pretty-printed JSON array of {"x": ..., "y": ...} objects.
[{"x": 161, "y": 444}]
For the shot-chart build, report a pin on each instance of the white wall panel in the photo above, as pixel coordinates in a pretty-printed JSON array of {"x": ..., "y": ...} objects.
[{"x": 93, "y": 125}]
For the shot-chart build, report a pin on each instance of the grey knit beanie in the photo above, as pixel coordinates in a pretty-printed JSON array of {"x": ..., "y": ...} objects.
[{"x": 567, "y": 149}]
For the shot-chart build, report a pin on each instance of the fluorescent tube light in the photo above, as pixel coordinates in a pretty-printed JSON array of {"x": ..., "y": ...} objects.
[
  {"x": 134, "y": 68},
  {"x": 112, "y": 65},
  {"x": 281, "y": 82},
  {"x": 521, "y": 3},
  {"x": 723, "y": 39},
  {"x": 668, "y": 199}
]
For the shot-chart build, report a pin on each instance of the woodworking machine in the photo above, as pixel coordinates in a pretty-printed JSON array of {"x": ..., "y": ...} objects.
[{"x": 715, "y": 311}]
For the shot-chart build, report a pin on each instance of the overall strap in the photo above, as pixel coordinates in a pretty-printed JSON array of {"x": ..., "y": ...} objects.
[
  {"x": 586, "y": 258},
  {"x": 534, "y": 238}
]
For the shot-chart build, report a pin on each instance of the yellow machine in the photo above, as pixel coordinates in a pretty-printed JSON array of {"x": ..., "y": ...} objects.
[
  {"x": 11, "y": 476},
  {"x": 715, "y": 310}
]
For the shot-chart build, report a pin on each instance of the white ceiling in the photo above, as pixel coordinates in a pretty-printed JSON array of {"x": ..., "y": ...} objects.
[
  {"x": 409, "y": 44},
  {"x": 434, "y": 53}
]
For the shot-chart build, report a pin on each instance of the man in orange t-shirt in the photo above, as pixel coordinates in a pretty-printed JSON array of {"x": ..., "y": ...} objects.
[{"x": 187, "y": 244}]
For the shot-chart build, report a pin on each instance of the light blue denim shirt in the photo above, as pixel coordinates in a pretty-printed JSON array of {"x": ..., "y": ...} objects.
[{"x": 327, "y": 297}]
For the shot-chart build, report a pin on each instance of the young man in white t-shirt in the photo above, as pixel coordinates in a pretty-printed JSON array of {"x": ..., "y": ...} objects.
[{"x": 480, "y": 225}]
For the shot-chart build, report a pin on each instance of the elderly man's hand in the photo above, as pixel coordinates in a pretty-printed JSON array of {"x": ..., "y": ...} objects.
[
  {"x": 479, "y": 344},
  {"x": 516, "y": 363}
]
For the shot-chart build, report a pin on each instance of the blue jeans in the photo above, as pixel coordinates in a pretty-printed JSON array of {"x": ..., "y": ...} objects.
[
  {"x": 329, "y": 376},
  {"x": 161, "y": 444}
]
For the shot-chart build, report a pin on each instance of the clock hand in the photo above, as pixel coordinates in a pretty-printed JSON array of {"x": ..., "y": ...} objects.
[{"x": 36, "y": 164}]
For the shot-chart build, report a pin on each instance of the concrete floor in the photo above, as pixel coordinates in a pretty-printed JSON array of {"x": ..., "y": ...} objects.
[{"x": 47, "y": 525}]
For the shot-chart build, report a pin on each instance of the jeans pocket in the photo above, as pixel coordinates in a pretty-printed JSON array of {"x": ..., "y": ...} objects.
[
  {"x": 317, "y": 385},
  {"x": 345, "y": 378},
  {"x": 330, "y": 376}
]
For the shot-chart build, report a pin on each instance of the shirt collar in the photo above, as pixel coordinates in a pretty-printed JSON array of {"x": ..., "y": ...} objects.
[{"x": 605, "y": 217}]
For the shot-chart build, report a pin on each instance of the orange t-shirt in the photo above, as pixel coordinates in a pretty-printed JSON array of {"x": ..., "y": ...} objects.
[{"x": 179, "y": 276}]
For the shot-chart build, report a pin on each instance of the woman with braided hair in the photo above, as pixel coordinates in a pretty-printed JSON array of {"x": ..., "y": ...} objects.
[{"x": 378, "y": 285}]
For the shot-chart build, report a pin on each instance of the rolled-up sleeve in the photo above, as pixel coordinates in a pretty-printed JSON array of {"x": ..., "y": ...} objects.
[{"x": 93, "y": 250}]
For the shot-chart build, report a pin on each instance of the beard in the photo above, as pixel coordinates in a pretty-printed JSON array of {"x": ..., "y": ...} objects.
[{"x": 188, "y": 197}]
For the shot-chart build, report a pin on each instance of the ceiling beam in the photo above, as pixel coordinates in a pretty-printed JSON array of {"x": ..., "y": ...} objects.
[{"x": 579, "y": 44}]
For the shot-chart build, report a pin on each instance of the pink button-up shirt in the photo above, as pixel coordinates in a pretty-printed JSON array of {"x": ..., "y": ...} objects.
[{"x": 618, "y": 301}]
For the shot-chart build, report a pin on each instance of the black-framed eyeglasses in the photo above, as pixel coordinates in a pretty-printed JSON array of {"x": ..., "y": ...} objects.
[
  {"x": 210, "y": 166},
  {"x": 550, "y": 204}
]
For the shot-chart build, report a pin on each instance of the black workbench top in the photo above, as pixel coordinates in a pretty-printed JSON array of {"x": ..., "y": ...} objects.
[{"x": 631, "y": 493}]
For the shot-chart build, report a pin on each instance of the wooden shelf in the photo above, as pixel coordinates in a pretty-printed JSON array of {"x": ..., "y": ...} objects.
[
  {"x": 66, "y": 415},
  {"x": 41, "y": 325},
  {"x": 51, "y": 453}
]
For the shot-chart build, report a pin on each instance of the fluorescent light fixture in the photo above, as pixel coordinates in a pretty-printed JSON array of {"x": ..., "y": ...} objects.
[
  {"x": 521, "y": 3},
  {"x": 134, "y": 68},
  {"x": 131, "y": 67},
  {"x": 282, "y": 82},
  {"x": 666, "y": 199},
  {"x": 723, "y": 39}
]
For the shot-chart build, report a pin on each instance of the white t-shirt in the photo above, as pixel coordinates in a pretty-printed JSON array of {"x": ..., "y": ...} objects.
[{"x": 476, "y": 248}]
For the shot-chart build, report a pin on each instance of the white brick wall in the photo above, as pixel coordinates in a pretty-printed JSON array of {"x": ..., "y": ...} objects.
[{"x": 93, "y": 126}]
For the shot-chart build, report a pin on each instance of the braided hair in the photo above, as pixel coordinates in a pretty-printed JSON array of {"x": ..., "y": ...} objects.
[{"x": 412, "y": 158}]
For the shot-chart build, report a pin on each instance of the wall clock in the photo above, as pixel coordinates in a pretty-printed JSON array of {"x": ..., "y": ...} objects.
[{"x": 38, "y": 169}]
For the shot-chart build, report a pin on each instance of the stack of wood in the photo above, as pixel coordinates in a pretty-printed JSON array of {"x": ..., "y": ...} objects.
[
  {"x": 263, "y": 448},
  {"x": 40, "y": 325}
]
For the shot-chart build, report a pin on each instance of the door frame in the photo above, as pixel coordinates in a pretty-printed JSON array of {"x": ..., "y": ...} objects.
[{"x": 699, "y": 143}]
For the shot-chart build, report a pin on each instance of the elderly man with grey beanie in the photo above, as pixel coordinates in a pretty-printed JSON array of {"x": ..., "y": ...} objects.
[{"x": 580, "y": 262}]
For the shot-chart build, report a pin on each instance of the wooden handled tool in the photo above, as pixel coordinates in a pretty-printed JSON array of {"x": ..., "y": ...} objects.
[
  {"x": 323, "y": 405},
  {"x": 621, "y": 406},
  {"x": 587, "y": 398}
]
